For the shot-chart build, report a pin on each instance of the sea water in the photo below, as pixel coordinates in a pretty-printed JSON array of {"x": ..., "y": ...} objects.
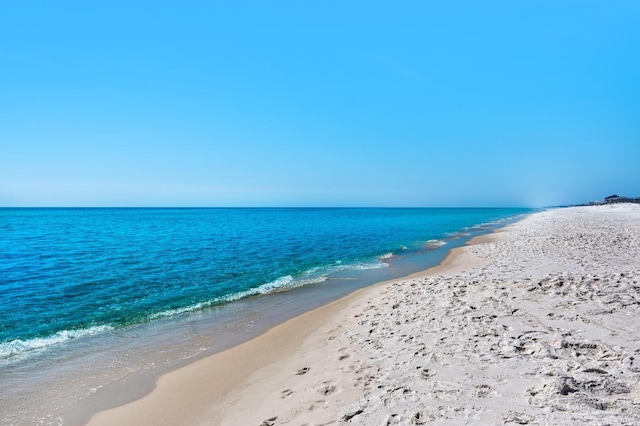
[{"x": 75, "y": 283}]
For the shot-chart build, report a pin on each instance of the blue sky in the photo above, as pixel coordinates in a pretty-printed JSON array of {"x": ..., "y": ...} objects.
[{"x": 326, "y": 103}]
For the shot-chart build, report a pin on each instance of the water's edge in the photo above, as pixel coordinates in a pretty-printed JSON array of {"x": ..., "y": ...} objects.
[{"x": 240, "y": 321}]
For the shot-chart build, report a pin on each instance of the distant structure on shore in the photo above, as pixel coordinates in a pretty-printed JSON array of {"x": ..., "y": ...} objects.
[{"x": 612, "y": 199}]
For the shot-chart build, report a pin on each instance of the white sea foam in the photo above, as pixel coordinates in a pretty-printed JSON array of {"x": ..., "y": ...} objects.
[
  {"x": 178, "y": 311},
  {"x": 18, "y": 346},
  {"x": 365, "y": 266},
  {"x": 493, "y": 223},
  {"x": 434, "y": 244},
  {"x": 315, "y": 275},
  {"x": 279, "y": 284},
  {"x": 386, "y": 256},
  {"x": 312, "y": 276},
  {"x": 263, "y": 289}
]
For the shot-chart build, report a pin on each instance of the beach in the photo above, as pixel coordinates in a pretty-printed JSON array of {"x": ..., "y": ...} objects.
[{"x": 533, "y": 324}]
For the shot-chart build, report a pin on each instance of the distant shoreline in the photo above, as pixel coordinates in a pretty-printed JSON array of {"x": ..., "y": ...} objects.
[{"x": 612, "y": 199}]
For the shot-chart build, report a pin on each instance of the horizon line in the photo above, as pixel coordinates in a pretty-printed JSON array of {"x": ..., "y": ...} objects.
[{"x": 272, "y": 207}]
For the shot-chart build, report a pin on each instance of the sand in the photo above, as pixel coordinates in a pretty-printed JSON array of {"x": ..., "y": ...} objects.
[{"x": 535, "y": 324}]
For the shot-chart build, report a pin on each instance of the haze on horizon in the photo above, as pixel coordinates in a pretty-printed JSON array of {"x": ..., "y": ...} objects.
[{"x": 318, "y": 103}]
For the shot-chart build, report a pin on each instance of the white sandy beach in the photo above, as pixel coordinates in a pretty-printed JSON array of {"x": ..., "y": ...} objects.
[{"x": 538, "y": 323}]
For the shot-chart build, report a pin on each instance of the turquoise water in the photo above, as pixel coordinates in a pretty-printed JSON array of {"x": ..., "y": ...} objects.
[{"x": 67, "y": 273}]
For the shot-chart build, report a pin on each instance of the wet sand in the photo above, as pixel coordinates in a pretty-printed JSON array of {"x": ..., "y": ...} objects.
[{"x": 534, "y": 324}]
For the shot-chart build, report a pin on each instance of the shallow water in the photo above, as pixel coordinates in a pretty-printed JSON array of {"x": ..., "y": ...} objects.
[{"x": 127, "y": 294}]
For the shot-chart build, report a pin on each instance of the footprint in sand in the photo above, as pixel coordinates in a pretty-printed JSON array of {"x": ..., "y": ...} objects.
[
  {"x": 287, "y": 392},
  {"x": 482, "y": 391},
  {"x": 327, "y": 390},
  {"x": 269, "y": 422},
  {"x": 427, "y": 374},
  {"x": 302, "y": 371}
]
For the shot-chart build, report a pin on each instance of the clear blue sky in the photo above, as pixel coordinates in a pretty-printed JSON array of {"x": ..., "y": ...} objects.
[{"x": 325, "y": 103}]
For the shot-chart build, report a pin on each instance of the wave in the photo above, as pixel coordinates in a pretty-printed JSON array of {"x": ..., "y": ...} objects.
[
  {"x": 365, "y": 266},
  {"x": 178, "y": 311},
  {"x": 493, "y": 224},
  {"x": 311, "y": 276},
  {"x": 315, "y": 275},
  {"x": 434, "y": 244},
  {"x": 18, "y": 347},
  {"x": 284, "y": 283}
]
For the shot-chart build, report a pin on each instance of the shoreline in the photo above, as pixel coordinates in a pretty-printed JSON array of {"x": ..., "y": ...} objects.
[
  {"x": 228, "y": 369},
  {"x": 68, "y": 383},
  {"x": 535, "y": 326}
]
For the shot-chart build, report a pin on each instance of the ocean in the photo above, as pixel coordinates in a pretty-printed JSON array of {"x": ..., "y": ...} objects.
[{"x": 75, "y": 282}]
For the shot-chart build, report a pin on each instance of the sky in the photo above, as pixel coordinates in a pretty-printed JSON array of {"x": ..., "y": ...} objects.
[{"x": 318, "y": 103}]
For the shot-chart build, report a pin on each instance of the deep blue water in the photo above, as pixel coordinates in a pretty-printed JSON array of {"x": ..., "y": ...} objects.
[{"x": 65, "y": 273}]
